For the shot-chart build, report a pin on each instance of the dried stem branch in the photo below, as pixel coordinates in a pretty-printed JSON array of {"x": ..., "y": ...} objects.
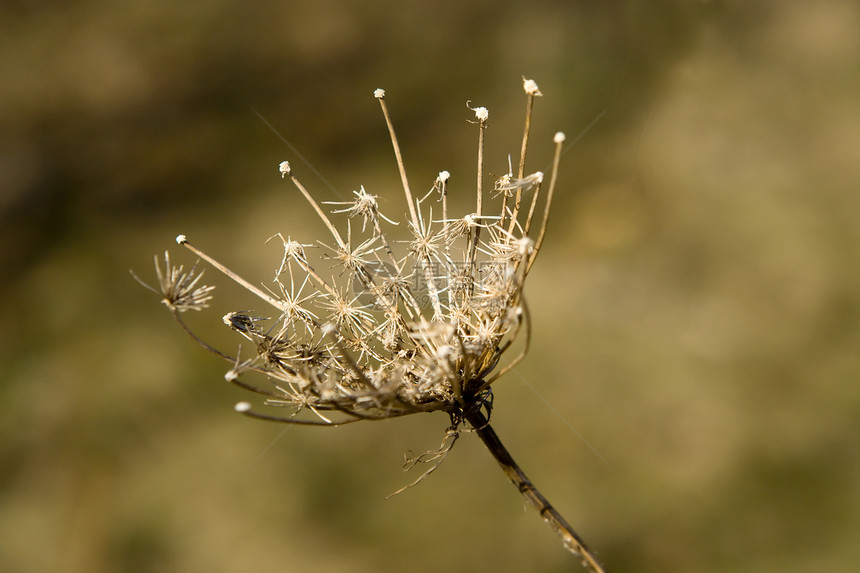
[
  {"x": 571, "y": 540},
  {"x": 380, "y": 95}
]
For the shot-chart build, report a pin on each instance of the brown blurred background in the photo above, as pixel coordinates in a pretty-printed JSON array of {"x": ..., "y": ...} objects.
[{"x": 696, "y": 308}]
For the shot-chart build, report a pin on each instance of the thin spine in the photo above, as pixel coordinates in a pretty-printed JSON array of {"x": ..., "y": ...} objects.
[
  {"x": 236, "y": 278},
  {"x": 559, "y": 144},
  {"x": 504, "y": 210},
  {"x": 521, "y": 170},
  {"x": 480, "y": 183},
  {"x": 442, "y": 179},
  {"x": 315, "y": 205},
  {"x": 380, "y": 95},
  {"x": 378, "y": 228},
  {"x": 432, "y": 290},
  {"x": 444, "y": 191},
  {"x": 531, "y": 214},
  {"x": 482, "y": 125},
  {"x": 244, "y": 408}
]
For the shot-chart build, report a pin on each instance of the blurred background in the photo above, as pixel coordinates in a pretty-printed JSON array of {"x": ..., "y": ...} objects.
[{"x": 696, "y": 308}]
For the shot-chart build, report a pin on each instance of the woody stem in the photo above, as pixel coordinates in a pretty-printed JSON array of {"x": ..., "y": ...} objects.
[{"x": 570, "y": 539}]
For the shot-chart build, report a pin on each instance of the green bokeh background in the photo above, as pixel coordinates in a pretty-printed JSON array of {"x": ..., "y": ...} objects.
[{"x": 696, "y": 308}]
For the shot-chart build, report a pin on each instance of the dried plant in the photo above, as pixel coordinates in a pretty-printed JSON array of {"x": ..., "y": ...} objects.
[{"x": 396, "y": 333}]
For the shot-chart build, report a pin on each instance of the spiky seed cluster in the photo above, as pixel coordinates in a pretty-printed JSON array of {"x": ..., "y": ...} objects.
[
  {"x": 179, "y": 288},
  {"x": 413, "y": 325}
]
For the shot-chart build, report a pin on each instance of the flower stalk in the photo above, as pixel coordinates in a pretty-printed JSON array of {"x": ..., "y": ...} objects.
[
  {"x": 394, "y": 333},
  {"x": 570, "y": 539}
]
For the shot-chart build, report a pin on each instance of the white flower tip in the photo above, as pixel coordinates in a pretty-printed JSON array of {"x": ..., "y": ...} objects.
[
  {"x": 481, "y": 113},
  {"x": 328, "y": 328},
  {"x": 242, "y": 407},
  {"x": 284, "y": 168},
  {"x": 531, "y": 87},
  {"x": 525, "y": 246},
  {"x": 181, "y": 239},
  {"x": 559, "y": 137},
  {"x": 444, "y": 176},
  {"x": 230, "y": 376},
  {"x": 379, "y": 93}
]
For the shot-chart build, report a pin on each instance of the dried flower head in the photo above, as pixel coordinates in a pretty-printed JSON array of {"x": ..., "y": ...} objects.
[
  {"x": 394, "y": 333},
  {"x": 179, "y": 289},
  {"x": 416, "y": 324}
]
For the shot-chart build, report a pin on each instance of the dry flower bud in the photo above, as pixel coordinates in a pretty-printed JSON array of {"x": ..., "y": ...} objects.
[{"x": 531, "y": 87}]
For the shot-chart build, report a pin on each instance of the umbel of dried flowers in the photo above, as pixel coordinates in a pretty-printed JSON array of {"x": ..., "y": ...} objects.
[{"x": 400, "y": 327}]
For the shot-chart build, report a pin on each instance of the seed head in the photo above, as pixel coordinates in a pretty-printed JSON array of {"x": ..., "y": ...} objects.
[
  {"x": 419, "y": 323},
  {"x": 531, "y": 87},
  {"x": 481, "y": 113},
  {"x": 179, "y": 289},
  {"x": 415, "y": 323}
]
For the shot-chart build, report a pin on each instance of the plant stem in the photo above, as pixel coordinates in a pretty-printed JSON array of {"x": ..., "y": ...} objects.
[{"x": 571, "y": 540}]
